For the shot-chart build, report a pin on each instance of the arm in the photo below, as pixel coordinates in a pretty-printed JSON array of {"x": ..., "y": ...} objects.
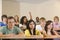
[
  {"x": 55, "y": 32},
  {"x": 30, "y": 15}
]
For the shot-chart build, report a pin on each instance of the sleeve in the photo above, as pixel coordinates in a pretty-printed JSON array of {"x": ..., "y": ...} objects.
[
  {"x": 20, "y": 25},
  {"x": 19, "y": 30},
  {"x": 0, "y": 23},
  {"x": 38, "y": 32},
  {"x": 27, "y": 33},
  {"x": 2, "y": 30}
]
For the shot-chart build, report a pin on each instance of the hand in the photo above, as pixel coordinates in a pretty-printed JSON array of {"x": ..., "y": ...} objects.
[{"x": 10, "y": 35}]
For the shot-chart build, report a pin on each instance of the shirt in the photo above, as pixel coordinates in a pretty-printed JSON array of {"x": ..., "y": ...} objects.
[
  {"x": 27, "y": 33},
  {"x": 15, "y": 30},
  {"x": 2, "y": 24},
  {"x": 38, "y": 27},
  {"x": 56, "y": 26}
]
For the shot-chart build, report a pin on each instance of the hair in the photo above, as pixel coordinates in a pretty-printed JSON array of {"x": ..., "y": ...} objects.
[
  {"x": 37, "y": 17},
  {"x": 3, "y": 16},
  {"x": 42, "y": 18},
  {"x": 29, "y": 27},
  {"x": 22, "y": 20},
  {"x": 17, "y": 19},
  {"x": 56, "y": 18},
  {"x": 10, "y": 17},
  {"x": 46, "y": 26}
]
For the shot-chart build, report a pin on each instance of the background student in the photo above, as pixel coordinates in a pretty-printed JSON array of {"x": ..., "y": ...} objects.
[
  {"x": 16, "y": 20},
  {"x": 4, "y": 20},
  {"x": 41, "y": 26}
]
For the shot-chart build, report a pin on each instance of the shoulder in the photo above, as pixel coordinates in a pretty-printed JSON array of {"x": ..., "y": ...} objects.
[
  {"x": 15, "y": 27},
  {"x": 37, "y": 31}
]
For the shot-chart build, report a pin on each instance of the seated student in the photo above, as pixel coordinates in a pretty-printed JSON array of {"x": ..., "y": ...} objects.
[
  {"x": 23, "y": 23},
  {"x": 16, "y": 20},
  {"x": 49, "y": 29},
  {"x": 41, "y": 26},
  {"x": 37, "y": 21},
  {"x": 31, "y": 31},
  {"x": 4, "y": 20},
  {"x": 11, "y": 29},
  {"x": 56, "y": 23}
]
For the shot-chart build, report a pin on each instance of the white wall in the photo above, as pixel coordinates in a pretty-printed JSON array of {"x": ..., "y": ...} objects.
[
  {"x": 10, "y": 7},
  {"x": 0, "y": 9},
  {"x": 47, "y": 9}
]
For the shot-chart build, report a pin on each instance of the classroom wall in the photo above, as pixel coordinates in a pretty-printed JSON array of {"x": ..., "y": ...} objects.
[
  {"x": 0, "y": 9},
  {"x": 10, "y": 7},
  {"x": 47, "y": 9}
]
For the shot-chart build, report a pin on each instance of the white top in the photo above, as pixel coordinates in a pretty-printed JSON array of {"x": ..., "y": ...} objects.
[
  {"x": 38, "y": 27},
  {"x": 20, "y": 25}
]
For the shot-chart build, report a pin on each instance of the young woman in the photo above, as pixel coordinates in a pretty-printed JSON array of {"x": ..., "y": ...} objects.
[
  {"x": 31, "y": 29},
  {"x": 49, "y": 29},
  {"x": 16, "y": 20},
  {"x": 56, "y": 23},
  {"x": 23, "y": 23}
]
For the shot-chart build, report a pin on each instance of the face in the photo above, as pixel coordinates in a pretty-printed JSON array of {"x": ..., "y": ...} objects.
[
  {"x": 50, "y": 26},
  {"x": 32, "y": 25},
  {"x": 43, "y": 22},
  {"x": 25, "y": 20},
  {"x": 16, "y": 17},
  {"x": 11, "y": 22},
  {"x": 37, "y": 19},
  {"x": 56, "y": 20},
  {"x": 4, "y": 19}
]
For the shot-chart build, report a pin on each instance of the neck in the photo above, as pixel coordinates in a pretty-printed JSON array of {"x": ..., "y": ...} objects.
[{"x": 10, "y": 27}]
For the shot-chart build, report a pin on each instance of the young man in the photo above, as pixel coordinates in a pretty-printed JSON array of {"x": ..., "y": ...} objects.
[
  {"x": 37, "y": 21},
  {"x": 4, "y": 20},
  {"x": 41, "y": 26},
  {"x": 11, "y": 29}
]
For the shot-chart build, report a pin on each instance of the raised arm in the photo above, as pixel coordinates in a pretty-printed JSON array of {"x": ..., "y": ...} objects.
[{"x": 30, "y": 15}]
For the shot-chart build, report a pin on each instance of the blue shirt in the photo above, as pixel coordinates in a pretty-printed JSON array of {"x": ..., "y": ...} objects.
[{"x": 2, "y": 24}]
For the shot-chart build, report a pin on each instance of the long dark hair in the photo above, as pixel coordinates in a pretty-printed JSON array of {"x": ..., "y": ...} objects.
[
  {"x": 46, "y": 26},
  {"x": 22, "y": 20},
  {"x": 29, "y": 27}
]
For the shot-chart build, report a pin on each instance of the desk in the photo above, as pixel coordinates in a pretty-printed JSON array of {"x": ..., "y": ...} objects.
[{"x": 33, "y": 37}]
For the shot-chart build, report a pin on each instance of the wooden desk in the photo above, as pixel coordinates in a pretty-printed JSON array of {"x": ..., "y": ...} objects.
[{"x": 32, "y": 37}]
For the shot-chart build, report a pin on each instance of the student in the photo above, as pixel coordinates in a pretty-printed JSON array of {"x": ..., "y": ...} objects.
[
  {"x": 37, "y": 21},
  {"x": 56, "y": 23},
  {"x": 41, "y": 26},
  {"x": 4, "y": 20},
  {"x": 16, "y": 20},
  {"x": 11, "y": 29},
  {"x": 49, "y": 29},
  {"x": 23, "y": 23},
  {"x": 31, "y": 29}
]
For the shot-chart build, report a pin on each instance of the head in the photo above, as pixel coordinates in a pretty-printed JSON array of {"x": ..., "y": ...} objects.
[
  {"x": 23, "y": 20},
  {"x": 11, "y": 22},
  {"x": 4, "y": 18},
  {"x": 16, "y": 18},
  {"x": 31, "y": 26},
  {"x": 49, "y": 25},
  {"x": 37, "y": 19},
  {"x": 42, "y": 21},
  {"x": 56, "y": 19}
]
